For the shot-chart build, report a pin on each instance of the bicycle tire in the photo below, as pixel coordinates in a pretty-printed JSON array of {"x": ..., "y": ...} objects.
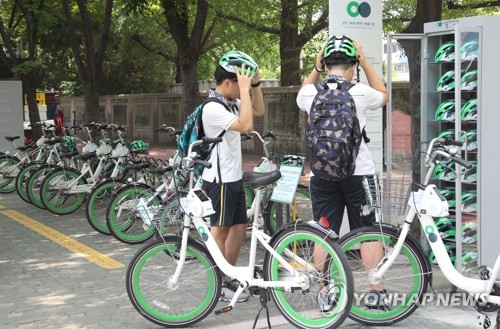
[
  {"x": 35, "y": 182},
  {"x": 125, "y": 223},
  {"x": 98, "y": 201},
  {"x": 22, "y": 179},
  {"x": 8, "y": 173},
  {"x": 173, "y": 306},
  {"x": 300, "y": 306},
  {"x": 53, "y": 191},
  {"x": 277, "y": 214},
  {"x": 407, "y": 277}
]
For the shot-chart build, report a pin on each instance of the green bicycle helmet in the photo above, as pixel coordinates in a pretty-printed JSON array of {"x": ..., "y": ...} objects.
[
  {"x": 470, "y": 175},
  {"x": 446, "y": 111},
  {"x": 69, "y": 141},
  {"x": 450, "y": 249},
  {"x": 339, "y": 49},
  {"x": 139, "y": 146},
  {"x": 469, "y": 110},
  {"x": 445, "y": 52},
  {"x": 449, "y": 195},
  {"x": 469, "y": 80},
  {"x": 469, "y": 50},
  {"x": 446, "y": 82},
  {"x": 237, "y": 58},
  {"x": 470, "y": 140},
  {"x": 469, "y": 202},
  {"x": 445, "y": 223},
  {"x": 469, "y": 232},
  {"x": 469, "y": 260},
  {"x": 445, "y": 172}
]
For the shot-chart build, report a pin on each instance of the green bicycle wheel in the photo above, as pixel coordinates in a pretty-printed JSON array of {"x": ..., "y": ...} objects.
[
  {"x": 123, "y": 218},
  {"x": 9, "y": 168},
  {"x": 97, "y": 204},
  {"x": 299, "y": 246},
  {"x": 276, "y": 215},
  {"x": 22, "y": 179},
  {"x": 405, "y": 281},
  {"x": 35, "y": 182},
  {"x": 178, "y": 305},
  {"x": 54, "y": 191}
]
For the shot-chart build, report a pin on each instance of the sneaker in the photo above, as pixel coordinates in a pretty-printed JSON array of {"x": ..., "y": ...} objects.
[
  {"x": 327, "y": 298},
  {"x": 377, "y": 300},
  {"x": 228, "y": 291}
]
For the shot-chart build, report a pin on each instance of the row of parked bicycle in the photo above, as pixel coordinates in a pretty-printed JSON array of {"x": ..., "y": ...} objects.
[{"x": 111, "y": 175}]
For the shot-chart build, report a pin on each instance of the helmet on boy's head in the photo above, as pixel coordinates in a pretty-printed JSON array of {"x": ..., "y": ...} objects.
[
  {"x": 237, "y": 58},
  {"x": 469, "y": 110},
  {"x": 445, "y": 52},
  {"x": 469, "y": 80},
  {"x": 469, "y": 50},
  {"x": 446, "y": 111},
  {"x": 338, "y": 50},
  {"x": 446, "y": 82}
]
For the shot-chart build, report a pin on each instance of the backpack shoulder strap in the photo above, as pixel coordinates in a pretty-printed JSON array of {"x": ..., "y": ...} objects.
[{"x": 205, "y": 101}]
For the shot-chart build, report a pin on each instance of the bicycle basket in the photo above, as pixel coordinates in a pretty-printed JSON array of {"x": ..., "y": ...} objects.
[{"x": 388, "y": 198}]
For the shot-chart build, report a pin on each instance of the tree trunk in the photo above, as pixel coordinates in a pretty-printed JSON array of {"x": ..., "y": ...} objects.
[
  {"x": 289, "y": 47},
  {"x": 290, "y": 65},
  {"x": 190, "y": 88},
  {"x": 92, "y": 111},
  {"x": 30, "y": 92}
]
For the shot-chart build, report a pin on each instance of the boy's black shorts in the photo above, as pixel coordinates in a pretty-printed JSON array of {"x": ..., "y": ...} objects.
[{"x": 230, "y": 197}]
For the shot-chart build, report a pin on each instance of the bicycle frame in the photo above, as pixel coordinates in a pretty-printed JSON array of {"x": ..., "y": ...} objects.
[
  {"x": 470, "y": 285},
  {"x": 245, "y": 274}
]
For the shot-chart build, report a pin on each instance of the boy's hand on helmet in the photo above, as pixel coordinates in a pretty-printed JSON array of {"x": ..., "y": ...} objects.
[
  {"x": 244, "y": 77},
  {"x": 360, "y": 55}
]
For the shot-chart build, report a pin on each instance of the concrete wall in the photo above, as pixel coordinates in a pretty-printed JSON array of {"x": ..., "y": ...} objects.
[{"x": 142, "y": 113}]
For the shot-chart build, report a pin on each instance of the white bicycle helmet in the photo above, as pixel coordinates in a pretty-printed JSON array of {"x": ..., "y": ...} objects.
[
  {"x": 446, "y": 81},
  {"x": 470, "y": 140}
]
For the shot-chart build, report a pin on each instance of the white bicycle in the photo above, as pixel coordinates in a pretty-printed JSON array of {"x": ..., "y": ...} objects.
[
  {"x": 176, "y": 280},
  {"x": 403, "y": 268}
]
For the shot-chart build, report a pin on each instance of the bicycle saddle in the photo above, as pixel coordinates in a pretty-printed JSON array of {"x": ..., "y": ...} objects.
[{"x": 256, "y": 179}]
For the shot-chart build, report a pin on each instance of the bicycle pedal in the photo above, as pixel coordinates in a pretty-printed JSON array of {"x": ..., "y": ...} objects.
[{"x": 224, "y": 310}]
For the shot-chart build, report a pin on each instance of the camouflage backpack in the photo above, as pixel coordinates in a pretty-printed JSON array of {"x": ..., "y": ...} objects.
[{"x": 333, "y": 132}]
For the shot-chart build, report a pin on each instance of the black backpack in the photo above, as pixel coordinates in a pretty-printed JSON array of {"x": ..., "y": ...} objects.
[{"x": 333, "y": 132}]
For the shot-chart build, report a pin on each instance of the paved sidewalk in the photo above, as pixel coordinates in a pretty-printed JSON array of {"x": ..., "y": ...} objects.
[{"x": 45, "y": 285}]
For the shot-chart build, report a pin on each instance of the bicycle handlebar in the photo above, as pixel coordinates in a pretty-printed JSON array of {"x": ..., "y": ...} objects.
[{"x": 449, "y": 154}]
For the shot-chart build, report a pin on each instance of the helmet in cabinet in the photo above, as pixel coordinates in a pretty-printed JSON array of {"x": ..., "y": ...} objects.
[
  {"x": 469, "y": 110},
  {"x": 470, "y": 140},
  {"x": 469, "y": 50},
  {"x": 445, "y": 52},
  {"x": 446, "y": 82},
  {"x": 446, "y": 111},
  {"x": 469, "y": 80}
]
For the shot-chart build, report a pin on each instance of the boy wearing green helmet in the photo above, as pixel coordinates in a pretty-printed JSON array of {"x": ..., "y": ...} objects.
[
  {"x": 238, "y": 86},
  {"x": 339, "y": 59}
]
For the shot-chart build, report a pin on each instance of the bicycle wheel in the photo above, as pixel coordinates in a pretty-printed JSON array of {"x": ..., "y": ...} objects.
[
  {"x": 301, "y": 306},
  {"x": 177, "y": 306},
  {"x": 54, "y": 192},
  {"x": 22, "y": 179},
  {"x": 9, "y": 168},
  {"x": 97, "y": 204},
  {"x": 123, "y": 218},
  {"x": 276, "y": 214},
  {"x": 406, "y": 279},
  {"x": 35, "y": 182}
]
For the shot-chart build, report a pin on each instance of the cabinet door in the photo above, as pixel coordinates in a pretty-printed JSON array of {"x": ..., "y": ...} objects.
[{"x": 450, "y": 97}]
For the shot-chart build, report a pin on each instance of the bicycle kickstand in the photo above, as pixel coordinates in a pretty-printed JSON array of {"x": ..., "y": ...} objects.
[{"x": 264, "y": 297}]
